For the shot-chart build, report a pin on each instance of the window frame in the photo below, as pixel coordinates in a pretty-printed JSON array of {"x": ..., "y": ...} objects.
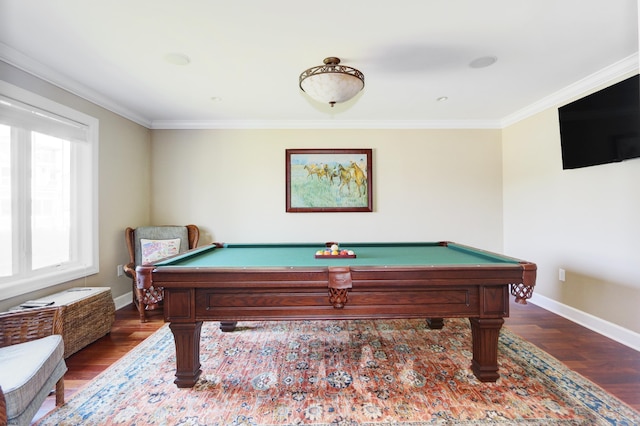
[{"x": 87, "y": 244}]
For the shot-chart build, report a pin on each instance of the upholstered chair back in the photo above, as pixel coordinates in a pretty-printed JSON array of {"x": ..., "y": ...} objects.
[{"x": 162, "y": 235}]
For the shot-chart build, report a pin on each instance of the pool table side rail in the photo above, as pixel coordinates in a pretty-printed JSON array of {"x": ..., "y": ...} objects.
[
  {"x": 519, "y": 274},
  {"x": 303, "y": 293},
  {"x": 490, "y": 257},
  {"x": 522, "y": 282}
]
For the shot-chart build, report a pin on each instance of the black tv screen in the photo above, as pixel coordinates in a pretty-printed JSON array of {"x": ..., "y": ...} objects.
[{"x": 603, "y": 127}]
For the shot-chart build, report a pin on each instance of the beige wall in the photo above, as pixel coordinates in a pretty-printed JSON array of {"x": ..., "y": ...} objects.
[
  {"x": 124, "y": 183},
  {"x": 586, "y": 221},
  {"x": 428, "y": 185}
]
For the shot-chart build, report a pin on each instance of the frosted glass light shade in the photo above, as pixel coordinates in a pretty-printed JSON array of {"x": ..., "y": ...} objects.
[{"x": 332, "y": 83}]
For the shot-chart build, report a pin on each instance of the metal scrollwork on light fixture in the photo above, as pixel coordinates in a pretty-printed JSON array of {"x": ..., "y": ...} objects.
[{"x": 332, "y": 83}]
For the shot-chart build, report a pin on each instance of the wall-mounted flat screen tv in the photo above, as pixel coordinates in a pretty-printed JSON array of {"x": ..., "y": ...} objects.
[{"x": 603, "y": 127}]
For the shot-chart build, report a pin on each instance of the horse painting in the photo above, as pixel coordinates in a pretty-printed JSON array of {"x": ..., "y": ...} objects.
[{"x": 328, "y": 180}]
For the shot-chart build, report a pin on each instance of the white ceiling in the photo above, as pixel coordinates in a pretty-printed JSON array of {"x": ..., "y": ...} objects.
[{"x": 248, "y": 54}]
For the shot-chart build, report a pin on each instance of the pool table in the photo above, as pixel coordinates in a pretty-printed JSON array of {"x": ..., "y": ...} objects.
[{"x": 244, "y": 282}]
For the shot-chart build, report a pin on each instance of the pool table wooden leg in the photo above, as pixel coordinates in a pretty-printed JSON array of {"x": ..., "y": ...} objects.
[
  {"x": 227, "y": 326},
  {"x": 485, "y": 333},
  {"x": 435, "y": 323},
  {"x": 187, "y": 340}
]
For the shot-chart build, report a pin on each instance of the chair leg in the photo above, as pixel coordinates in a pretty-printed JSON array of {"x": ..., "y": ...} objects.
[
  {"x": 60, "y": 392},
  {"x": 141, "y": 311},
  {"x": 141, "y": 306}
]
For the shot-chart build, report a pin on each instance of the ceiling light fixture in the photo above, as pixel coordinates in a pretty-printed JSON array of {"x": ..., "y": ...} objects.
[{"x": 331, "y": 83}]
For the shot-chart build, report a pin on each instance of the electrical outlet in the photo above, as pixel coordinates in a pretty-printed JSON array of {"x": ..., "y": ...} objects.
[
  {"x": 561, "y": 275},
  {"x": 120, "y": 270}
]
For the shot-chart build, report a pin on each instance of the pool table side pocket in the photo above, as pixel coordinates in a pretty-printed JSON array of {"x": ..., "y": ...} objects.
[{"x": 339, "y": 284}]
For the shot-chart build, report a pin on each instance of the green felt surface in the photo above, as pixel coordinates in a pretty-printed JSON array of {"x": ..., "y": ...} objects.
[{"x": 303, "y": 255}]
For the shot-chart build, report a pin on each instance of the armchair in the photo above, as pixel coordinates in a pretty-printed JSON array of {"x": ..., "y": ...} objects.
[
  {"x": 148, "y": 244},
  {"x": 32, "y": 359}
]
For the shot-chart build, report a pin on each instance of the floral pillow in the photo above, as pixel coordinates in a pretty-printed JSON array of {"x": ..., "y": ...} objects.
[{"x": 153, "y": 250}]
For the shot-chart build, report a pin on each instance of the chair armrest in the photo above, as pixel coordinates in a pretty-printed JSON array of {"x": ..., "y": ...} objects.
[
  {"x": 29, "y": 324},
  {"x": 193, "y": 233},
  {"x": 130, "y": 270}
]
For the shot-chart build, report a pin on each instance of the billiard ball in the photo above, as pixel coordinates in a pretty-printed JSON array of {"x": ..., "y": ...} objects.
[{"x": 334, "y": 247}]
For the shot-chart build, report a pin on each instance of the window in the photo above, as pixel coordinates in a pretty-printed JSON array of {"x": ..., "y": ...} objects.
[{"x": 48, "y": 192}]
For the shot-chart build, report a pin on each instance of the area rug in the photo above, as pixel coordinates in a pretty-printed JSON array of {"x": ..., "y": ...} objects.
[{"x": 359, "y": 372}]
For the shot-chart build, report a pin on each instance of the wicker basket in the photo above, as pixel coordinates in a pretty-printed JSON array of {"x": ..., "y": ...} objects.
[
  {"x": 86, "y": 313},
  {"x": 87, "y": 319}
]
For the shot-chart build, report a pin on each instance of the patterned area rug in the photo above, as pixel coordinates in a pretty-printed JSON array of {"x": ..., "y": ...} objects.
[{"x": 383, "y": 372}]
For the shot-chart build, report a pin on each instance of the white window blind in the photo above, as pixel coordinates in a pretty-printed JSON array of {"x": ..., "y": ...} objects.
[{"x": 17, "y": 114}]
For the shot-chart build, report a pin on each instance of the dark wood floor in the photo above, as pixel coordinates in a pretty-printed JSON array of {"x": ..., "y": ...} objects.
[{"x": 613, "y": 366}]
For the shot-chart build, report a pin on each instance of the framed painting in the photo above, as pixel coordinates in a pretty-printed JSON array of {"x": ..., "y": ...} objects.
[{"x": 329, "y": 180}]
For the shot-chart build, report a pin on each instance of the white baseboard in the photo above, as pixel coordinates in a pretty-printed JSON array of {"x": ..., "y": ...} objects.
[
  {"x": 606, "y": 328},
  {"x": 124, "y": 300}
]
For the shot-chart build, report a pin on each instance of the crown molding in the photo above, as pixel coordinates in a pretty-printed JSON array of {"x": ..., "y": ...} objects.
[
  {"x": 319, "y": 124},
  {"x": 37, "y": 69},
  {"x": 579, "y": 88}
]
